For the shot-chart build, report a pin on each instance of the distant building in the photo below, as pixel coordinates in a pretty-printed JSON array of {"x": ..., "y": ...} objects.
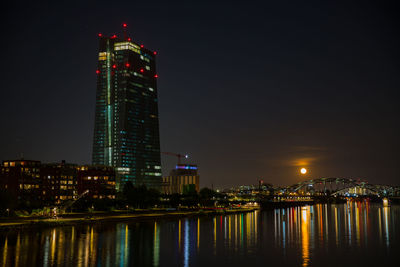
[
  {"x": 21, "y": 179},
  {"x": 99, "y": 180},
  {"x": 126, "y": 132},
  {"x": 59, "y": 181},
  {"x": 183, "y": 179},
  {"x": 54, "y": 183},
  {"x": 261, "y": 188}
]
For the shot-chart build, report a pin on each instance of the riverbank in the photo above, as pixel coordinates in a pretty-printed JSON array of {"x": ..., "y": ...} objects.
[{"x": 115, "y": 216}]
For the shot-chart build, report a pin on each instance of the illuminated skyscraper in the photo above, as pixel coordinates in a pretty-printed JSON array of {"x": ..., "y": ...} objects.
[{"x": 126, "y": 132}]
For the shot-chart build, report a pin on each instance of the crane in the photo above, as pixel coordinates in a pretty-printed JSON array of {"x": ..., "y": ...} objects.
[
  {"x": 179, "y": 156},
  {"x": 70, "y": 203}
]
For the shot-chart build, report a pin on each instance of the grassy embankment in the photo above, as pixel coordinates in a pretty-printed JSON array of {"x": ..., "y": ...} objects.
[{"x": 114, "y": 216}]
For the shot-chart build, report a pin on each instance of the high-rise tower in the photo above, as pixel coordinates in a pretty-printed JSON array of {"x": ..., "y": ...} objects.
[{"x": 126, "y": 132}]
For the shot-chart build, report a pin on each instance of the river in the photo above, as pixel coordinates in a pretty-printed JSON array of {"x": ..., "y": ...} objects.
[{"x": 352, "y": 234}]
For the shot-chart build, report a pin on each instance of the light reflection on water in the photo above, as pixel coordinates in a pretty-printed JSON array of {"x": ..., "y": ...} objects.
[{"x": 355, "y": 232}]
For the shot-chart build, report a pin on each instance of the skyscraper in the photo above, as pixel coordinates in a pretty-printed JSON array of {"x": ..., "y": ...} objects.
[{"x": 126, "y": 132}]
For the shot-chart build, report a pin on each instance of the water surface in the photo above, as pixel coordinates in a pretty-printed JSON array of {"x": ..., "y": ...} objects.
[{"x": 352, "y": 234}]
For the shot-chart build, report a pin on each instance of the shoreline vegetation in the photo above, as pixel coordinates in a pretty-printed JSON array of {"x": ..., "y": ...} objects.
[
  {"x": 69, "y": 219},
  {"x": 94, "y": 217},
  {"x": 116, "y": 216},
  {"x": 140, "y": 203}
]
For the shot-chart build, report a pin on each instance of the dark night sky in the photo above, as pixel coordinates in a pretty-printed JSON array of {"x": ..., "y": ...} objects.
[{"x": 250, "y": 90}]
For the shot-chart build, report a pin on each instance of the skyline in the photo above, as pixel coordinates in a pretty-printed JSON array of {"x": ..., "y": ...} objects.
[{"x": 314, "y": 90}]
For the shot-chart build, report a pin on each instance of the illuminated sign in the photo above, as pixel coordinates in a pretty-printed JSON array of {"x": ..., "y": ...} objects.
[{"x": 186, "y": 167}]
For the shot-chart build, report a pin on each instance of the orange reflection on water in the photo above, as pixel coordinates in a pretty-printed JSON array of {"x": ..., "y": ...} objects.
[
  {"x": 5, "y": 250},
  {"x": 229, "y": 231},
  {"x": 336, "y": 227},
  {"x": 156, "y": 246},
  {"x": 17, "y": 250},
  {"x": 215, "y": 235},
  {"x": 236, "y": 231},
  {"x": 320, "y": 221},
  {"x": 386, "y": 224},
  {"x": 326, "y": 222},
  {"x": 179, "y": 234},
  {"x": 72, "y": 242},
  {"x": 198, "y": 233},
  {"x": 305, "y": 242},
  {"x": 357, "y": 217},
  {"x": 53, "y": 246}
]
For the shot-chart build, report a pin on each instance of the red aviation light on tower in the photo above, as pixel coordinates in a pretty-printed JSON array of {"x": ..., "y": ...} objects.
[
  {"x": 129, "y": 39},
  {"x": 156, "y": 76},
  {"x": 127, "y": 65},
  {"x": 114, "y": 36},
  {"x": 141, "y": 46},
  {"x": 114, "y": 66},
  {"x": 124, "y": 25},
  {"x": 97, "y": 72},
  {"x": 155, "y": 53},
  {"x": 100, "y": 34},
  {"x": 141, "y": 70}
]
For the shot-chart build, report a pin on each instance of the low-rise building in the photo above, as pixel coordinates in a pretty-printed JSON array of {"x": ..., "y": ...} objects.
[
  {"x": 21, "y": 179},
  {"x": 53, "y": 183},
  {"x": 98, "y": 180},
  {"x": 183, "y": 179},
  {"x": 59, "y": 181}
]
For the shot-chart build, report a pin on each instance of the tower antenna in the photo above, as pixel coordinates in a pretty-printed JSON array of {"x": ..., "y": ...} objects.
[{"x": 124, "y": 26}]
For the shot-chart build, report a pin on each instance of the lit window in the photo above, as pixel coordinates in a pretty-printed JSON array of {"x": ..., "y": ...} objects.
[
  {"x": 103, "y": 55},
  {"x": 127, "y": 46}
]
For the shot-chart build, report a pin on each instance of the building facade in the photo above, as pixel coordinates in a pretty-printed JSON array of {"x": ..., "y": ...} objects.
[
  {"x": 126, "y": 131},
  {"x": 99, "y": 181},
  {"x": 46, "y": 184},
  {"x": 21, "y": 180},
  {"x": 182, "y": 180},
  {"x": 58, "y": 182}
]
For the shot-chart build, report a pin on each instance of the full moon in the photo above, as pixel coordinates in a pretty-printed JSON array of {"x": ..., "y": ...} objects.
[{"x": 303, "y": 170}]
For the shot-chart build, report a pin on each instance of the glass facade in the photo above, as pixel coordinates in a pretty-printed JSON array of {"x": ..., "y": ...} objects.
[{"x": 126, "y": 132}]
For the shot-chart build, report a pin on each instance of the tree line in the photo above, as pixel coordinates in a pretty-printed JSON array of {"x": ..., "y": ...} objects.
[{"x": 131, "y": 197}]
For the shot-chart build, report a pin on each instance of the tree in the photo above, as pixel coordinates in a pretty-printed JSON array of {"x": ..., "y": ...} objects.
[
  {"x": 207, "y": 197},
  {"x": 6, "y": 202},
  {"x": 140, "y": 197}
]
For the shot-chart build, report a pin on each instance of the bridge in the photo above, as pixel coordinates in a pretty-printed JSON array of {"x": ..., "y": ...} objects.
[{"x": 342, "y": 187}]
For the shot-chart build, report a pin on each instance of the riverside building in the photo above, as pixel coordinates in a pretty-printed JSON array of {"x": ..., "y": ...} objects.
[
  {"x": 55, "y": 183},
  {"x": 126, "y": 131},
  {"x": 58, "y": 181},
  {"x": 21, "y": 179},
  {"x": 99, "y": 181},
  {"x": 183, "y": 179}
]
